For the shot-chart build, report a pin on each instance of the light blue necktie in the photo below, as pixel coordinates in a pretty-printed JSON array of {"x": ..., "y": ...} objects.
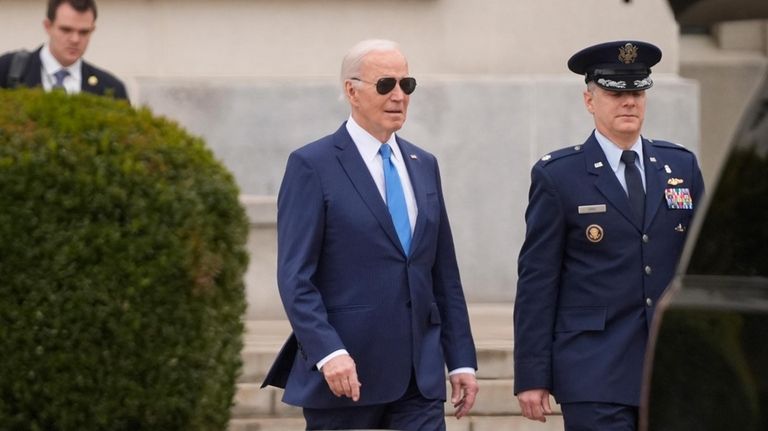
[
  {"x": 396, "y": 198},
  {"x": 59, "y": 76}
]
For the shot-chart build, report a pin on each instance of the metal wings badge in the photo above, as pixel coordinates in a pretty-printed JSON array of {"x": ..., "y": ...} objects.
[{"x": 628, "y": 53}]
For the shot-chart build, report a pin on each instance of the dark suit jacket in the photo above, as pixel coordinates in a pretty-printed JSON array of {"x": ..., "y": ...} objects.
[
  {"x": 589, "y": 279},
  {"x": 95, "y": 80},
  {"x": 346, "y": 283}
]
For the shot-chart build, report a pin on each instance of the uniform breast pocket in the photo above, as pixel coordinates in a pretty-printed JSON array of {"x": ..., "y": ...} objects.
[{"x": 575, "y": 319}]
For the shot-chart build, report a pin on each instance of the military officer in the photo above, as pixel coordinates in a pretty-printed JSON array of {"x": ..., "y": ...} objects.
[{"x": 605, "y": 226}]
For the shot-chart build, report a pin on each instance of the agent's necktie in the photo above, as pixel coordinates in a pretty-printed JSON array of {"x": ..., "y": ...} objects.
[
  {"x": 396, "y": 198},
  {"x": 635, "y": 189},
  {"x": 59, "y": 76}
]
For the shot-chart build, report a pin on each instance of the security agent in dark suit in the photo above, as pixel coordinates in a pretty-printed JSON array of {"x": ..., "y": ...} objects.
[
  {"x": 606, "y": 223},
  {"x": 367, "y": 270},
  {"x": 58, "y": 63}
]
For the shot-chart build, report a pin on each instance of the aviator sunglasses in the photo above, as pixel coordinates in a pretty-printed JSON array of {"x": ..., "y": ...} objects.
[{"x": 385, "y": 85}]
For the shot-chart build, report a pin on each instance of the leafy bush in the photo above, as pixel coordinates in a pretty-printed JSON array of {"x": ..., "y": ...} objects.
[{"x": 122, "y": 253}]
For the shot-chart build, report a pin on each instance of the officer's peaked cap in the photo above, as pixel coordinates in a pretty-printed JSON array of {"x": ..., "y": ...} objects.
[{"x": 623, "y": 65}]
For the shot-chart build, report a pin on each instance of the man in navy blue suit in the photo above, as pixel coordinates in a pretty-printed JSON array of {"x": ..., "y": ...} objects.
[
  {"x": 59, "y": 63},
  {"x": 367, "y": 270},
  {"x": 606, "y": 223}
]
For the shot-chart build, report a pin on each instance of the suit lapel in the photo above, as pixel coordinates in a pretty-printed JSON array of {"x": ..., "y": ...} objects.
[
  {"x": 355, "y": 168},
  {"x": 418, "y": 183},
  {"x": 33, "y": 73},
  {"x": 654, "y": 181},
  {"x": 89, "y": 82},
  {"x": 606, "y": 181}
]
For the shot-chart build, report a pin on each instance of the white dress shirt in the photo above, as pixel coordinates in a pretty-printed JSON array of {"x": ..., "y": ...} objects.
[
  {"x": 368, "y": 146},
  {"x": 49, "y": 66}
]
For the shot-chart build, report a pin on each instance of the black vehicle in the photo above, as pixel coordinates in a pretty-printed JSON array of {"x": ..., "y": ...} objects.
[{"x": 707, "y": 365}]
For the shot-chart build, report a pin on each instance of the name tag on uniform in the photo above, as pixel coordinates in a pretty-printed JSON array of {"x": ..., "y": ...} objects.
[
  {"x": 591, "y": 209},
  {"x": 678, "y": 199}
]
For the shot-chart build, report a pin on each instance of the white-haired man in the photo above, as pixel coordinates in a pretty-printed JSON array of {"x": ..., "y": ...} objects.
[{"x": 367, "y": 270}]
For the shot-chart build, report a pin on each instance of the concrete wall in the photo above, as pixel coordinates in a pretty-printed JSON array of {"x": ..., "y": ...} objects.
[
  {"x": 729, "y": 66},
  {"x": 306, "y": 38},
  {"x": 258, "y": 78},
  {"x": 486, "y": 133}
]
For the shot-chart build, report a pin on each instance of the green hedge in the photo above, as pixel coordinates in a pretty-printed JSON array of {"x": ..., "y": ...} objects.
[{"x": 122, "y": 254}]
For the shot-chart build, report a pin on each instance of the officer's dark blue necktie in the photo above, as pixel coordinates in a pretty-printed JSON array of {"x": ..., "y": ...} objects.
[
  {"x": 59, "y": 76},
  {"x": 396, "y": 198},
  {"x": 635, "y": 189}
]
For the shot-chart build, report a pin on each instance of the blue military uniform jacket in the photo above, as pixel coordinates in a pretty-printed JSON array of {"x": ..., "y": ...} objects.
[{"x": 590, "y": 276}]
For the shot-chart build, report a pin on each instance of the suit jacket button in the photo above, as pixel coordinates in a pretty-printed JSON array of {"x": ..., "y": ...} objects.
[
  {"x": 408, "y": 304},
  {"x": 649, "y": 302},
  {"x": 645, "y": 238},
  {"x": 647, "y": 269}
]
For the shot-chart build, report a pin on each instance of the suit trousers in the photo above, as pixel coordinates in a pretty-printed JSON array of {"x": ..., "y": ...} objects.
[
  {"x": 412, "y": 412},
  {"x": 599, "y": 417}
]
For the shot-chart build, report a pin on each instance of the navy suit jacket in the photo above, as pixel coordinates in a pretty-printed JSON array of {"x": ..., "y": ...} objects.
[
  {"x": 346, "y": 282},
  {"x": 590, "y": 276},
  {"x": 103, "y": 83}
]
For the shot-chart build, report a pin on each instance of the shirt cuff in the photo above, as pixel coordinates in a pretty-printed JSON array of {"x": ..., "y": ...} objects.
[
  {"x": 468, "y": 370},
  {"x": 331, "y": 356}
]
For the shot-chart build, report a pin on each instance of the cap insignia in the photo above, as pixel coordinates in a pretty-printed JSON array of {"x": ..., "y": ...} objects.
[
  {"x": 628, "y": 53},
  {"x": 612, "y": 84},
  {"x": 642, "y": 83}
]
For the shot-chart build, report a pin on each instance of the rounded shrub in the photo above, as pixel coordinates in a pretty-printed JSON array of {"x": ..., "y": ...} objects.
[{"x": 122, "y": 254}]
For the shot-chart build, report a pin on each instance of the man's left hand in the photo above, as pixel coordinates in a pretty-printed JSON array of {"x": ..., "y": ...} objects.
[{"x": 464, "y": 389}]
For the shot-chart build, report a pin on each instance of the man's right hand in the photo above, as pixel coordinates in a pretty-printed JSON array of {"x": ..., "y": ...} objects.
[
  {"x": 341, "y": 375},
  {"x": 534, "y": 404}
]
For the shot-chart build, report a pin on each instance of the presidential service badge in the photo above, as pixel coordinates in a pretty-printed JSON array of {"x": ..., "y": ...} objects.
[{"x": 594, "y": 233}]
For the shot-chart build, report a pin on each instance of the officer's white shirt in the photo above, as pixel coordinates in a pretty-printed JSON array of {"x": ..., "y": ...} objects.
[
  {"x": 49, "y": 66},
  {"x": 613, "y": 154}
]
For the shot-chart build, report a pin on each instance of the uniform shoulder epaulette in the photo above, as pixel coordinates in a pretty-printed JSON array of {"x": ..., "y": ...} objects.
[
  {"x": 666, "y": 144},
  {"x": 559, "y": 154}
]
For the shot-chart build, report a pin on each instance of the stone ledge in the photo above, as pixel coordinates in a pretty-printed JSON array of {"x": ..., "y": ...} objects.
[
  {"x": 493, "y": 363},
  {"x": 470, "y": 423},
  {"x": 261, "y": 210},
  {"x": 496, "y": 398}
]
